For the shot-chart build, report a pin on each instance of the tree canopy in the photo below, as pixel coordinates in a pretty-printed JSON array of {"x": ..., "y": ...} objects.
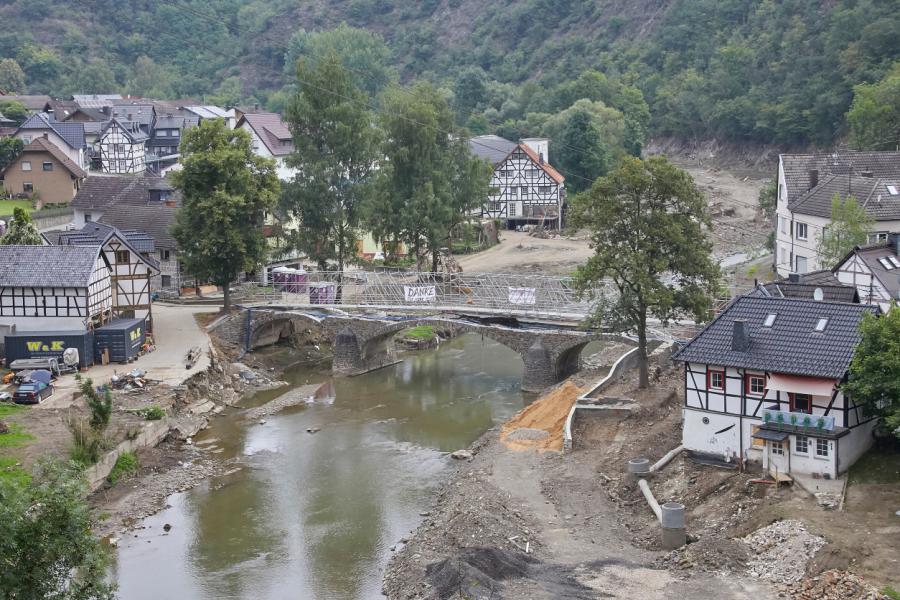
[
  {"x": 648, "y": 224},
  {"x": 874, "y": 116},
  {"x": 10, "y": 148},
  {"x": 336, "y": 146},
  {"x": 875, "y": 370},
  {"x": 20, "y": 231},
  {"x": 47, "y": 547},
  {"x": 226, "y": 191},
  {"x": 850, "y": 226}
]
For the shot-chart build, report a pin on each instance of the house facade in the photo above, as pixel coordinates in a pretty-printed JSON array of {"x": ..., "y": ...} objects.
[
  {"x": 762, "y": 384},
  {"x": 68, "y": 137},
  {"x": 874, "y": 270},
  {"x": 44, "y": 172},
  {"x": 524, "y": 188},
  {"x": 270, "y": 138},
  {"x": 53, "y": 288},
  {"x": 806, "y": 185},
  {"x": 121, "y": 146}
]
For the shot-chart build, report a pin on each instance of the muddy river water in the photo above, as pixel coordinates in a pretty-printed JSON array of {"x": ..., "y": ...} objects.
[{"x": 314, "y": 515}]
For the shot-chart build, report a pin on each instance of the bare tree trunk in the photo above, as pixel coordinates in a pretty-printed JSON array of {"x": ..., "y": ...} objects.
[
  {"x": 434, "y": 261},
  {"x": 226, "y": 292},
  {"x": 644, "y": 375}
]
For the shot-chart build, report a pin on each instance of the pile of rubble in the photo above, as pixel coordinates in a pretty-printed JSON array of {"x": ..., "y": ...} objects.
[
  {"x": 135, "y": 379},
  {"x": 781, "y": 551},
  {"x": 834, "y": 585}
]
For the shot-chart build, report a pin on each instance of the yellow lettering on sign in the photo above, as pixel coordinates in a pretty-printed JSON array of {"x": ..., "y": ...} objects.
[
  {"x": 57, "y": 346},
  {"x": 136, "y": 334},
  {"x": 33, "y": 346}
]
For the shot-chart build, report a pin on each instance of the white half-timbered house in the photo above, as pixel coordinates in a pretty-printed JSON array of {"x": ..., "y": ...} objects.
[
  {"x": 121, "y": 146},
  {"x": 875, "y": 272},
  {"x": 762, "y": 384},
  {"x": 54, "y": 288},
  {"x": 128, "y": 255},
  {"x": 524, "y": 188}
]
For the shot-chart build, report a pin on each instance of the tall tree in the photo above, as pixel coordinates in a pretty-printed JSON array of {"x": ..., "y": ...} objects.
[
  {"x": 226, "y": 192},
  {"x": 469, "y": 90},
  {"x": 648, "y": 226},
  {"x": 430, "y": 180},
  {"x": 46, "y": 542},
  {"x": 10, "y": 147},
  {"x": 150, "y": 80},
  {"x": 875, "y": 370},
  {"x": 874, "y": 116},
  {"x": 13, "y": 110},
  {"x": 21, "y": 230},
  {"x": 850, "y": 226},
  {"x": 336, "y": 146},
  {"x": 12, "y": 77}
]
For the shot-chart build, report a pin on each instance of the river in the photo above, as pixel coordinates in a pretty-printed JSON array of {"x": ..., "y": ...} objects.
[{"x": 314, "y": 515}]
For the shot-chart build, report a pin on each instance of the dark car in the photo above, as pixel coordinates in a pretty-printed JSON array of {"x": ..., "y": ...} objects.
[{"x": 32, "y": 392}]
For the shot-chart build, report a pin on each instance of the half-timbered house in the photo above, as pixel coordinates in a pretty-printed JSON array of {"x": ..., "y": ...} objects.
[
  {"x": 524, "y": 188},
  {"x": 54, "y": 288},
  {"x": 762, "y": 384},
  {"x": 129, "y": 257},
  {"x": 121, "y": 145},
  {"x": 874, "y": 270}
]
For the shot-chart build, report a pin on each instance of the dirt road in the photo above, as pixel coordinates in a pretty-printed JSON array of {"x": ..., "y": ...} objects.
[{"x": 519, "y": 252}]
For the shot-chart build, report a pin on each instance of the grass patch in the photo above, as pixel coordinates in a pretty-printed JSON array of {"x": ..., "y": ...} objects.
[
  {"x": 15, "y": 437},
  {"x": 891, "y": 593},
  {"x": 7, "y": 206},
  {"x": 11, "y": 471},
  {"x": 877, "y": 466},
  {"x": 153, "y": 413},
  {"x": 7, "y": 410},
  {"x": 127, "y": 464},
  {"x": 422, "y": 332}
]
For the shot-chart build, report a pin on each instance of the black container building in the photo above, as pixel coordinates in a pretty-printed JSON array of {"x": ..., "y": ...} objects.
[
  {"x": 123, "y": 338},
  {"x": 50, "y": 344}
]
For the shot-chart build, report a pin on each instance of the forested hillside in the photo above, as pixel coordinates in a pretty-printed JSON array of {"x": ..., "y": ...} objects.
[{"x": 765, "y": 71}]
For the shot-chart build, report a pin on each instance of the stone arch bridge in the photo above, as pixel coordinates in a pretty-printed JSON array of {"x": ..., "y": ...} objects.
[{"x": 363, "y": 344}]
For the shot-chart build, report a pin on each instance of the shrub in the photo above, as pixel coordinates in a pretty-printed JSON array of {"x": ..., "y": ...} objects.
[
  {"x": 100, "y": 406},
  {"x": 127, "y": 464},
  {"x": 153, "y": 413}
]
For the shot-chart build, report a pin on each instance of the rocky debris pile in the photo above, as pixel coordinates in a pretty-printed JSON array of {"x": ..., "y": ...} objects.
[
  {"x": 834, "y": 585},
  {"x": 305, "y": 394},
  {"x": 781, "y": 551},
  {"x": 527, "y": 433},
  {"x": 708, "y": 554},
  {"x": 134, "y": 380}
]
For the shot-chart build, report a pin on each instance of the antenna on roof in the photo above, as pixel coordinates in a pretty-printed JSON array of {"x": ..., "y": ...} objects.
[{"x": 818, "y": 295}]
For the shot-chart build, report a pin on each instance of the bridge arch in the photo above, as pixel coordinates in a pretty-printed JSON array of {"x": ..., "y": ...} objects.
[{"x": 272, "y": 327}]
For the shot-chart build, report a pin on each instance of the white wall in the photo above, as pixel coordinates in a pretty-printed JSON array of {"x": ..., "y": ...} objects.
[
  {"x": 854, "y": 445},
  {"x": 855, "y": 272}
]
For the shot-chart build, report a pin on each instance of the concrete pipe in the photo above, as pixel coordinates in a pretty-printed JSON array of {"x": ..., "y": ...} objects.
[
  {"x": 639, "y": 466},
  {"x": 672, "y": 521}
]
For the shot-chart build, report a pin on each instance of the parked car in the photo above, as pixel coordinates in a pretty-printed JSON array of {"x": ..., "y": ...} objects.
[{"x": 32, "y": 392}]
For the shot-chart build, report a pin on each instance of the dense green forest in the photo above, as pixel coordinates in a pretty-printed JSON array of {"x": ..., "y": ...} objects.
[{"x": 767, "y": 71}]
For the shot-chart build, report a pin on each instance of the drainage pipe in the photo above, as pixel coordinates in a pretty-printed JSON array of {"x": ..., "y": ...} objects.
[
  {"x": 651, "y": 500},
  {"x": 666, "y": 459}
]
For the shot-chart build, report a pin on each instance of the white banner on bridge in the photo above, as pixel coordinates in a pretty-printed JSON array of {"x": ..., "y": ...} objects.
[
  {"x": 520, "y": 295},
  {"x": 419, "y": 293}
]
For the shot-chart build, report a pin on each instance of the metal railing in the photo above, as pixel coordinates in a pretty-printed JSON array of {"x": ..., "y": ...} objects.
[{"x": 493, "y": 293}]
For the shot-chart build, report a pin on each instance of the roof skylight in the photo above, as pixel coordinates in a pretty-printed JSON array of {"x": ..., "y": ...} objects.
[
  {"x": 892, "y": 189},
  {"x": 821, "y": 324},
  {"x": 770, "y": 320}
]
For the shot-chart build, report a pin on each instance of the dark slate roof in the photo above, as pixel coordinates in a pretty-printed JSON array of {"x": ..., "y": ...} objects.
[
  {"x": 61, "y": 109},
  {"x": 96, "y": 234},
  {"x": 890, "y": 278},
  {"x": 169, "y": 122},
  {"x": 70, "y": 131},
  {"x": 47, "y": 266},
  {"x": 136, "y": 113},
  {"x": 272, "y": 130},
  {"x": 797, "y": 167},
  {"x": 33, "y": 103},
  {"x": 131, "y": 129},
  {"x": 787, "y": 289},
  {"x": 791, "y": 345},
  {"x": 870, "y": 192},
  {"x": 96, "y": 100},
  {"x": 155, "y": 221},
  {"x": 100, "y": 191},
  {"x": 94, "y": 114},
  {"x": 821, "y": 277},
  {"x": 491, "y": 147}
]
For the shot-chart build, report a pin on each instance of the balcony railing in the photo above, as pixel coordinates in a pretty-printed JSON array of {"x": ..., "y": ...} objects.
[{"x": 788, "y": 419}]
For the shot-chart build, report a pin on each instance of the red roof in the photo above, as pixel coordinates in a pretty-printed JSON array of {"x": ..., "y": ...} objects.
[{"x": 273, "y": 132}]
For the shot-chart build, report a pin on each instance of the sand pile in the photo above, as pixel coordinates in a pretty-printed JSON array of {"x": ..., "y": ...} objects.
[{"x": 546, "y": 414}]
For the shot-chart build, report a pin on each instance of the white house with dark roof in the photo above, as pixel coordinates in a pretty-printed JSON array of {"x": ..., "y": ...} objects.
[
  {"x": 525, "y": 189},
  {"x": 806, "y": 185},
  {"x": 53, "y": 288},
  {"x": 874, "y": 270},
  {"x": 67, "y": 136},
  {"x": 271, "y": 138},
  {"x": 761, "y": 383}
]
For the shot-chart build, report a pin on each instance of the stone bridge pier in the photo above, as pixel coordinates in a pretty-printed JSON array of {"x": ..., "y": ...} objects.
[{"x": 361, "y": 345}]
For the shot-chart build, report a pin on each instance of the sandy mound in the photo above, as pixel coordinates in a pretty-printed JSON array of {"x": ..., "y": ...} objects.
[{"x": 546, "y": 414}]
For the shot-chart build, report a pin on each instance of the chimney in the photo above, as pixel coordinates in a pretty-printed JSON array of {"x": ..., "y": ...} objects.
[
  {"x": 740, "y": 338},
  {"x": 867, "y": 174},
  {"x": 813, "y": 178},
  {"x": 794, "y": 278}
]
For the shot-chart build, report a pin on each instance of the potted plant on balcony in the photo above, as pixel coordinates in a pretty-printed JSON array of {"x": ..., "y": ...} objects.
[
  {"x": 767, "y": 416},
  {"x": 820, "y": 423},
  {"x": 807, "y": 422},
  {"x": 793, "y": 420},
  {"x": 779, "y": 417}
]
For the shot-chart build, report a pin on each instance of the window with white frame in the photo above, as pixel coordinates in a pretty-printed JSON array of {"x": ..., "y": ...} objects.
[
  {"x": 801, "y": 444},
  {"x": 716, "y": 379},
  {"x": 26, "y": 165},
  {"x": 777, "y": 448},
  {"x": 801, "y": 266},
  {"x": 877, "y": 237},
  {"x": 821, "y": 447},
  {"x": 783, "y": 222},
  {"x": 802, "y": 230},
  {"x": 756, "y": 385}
]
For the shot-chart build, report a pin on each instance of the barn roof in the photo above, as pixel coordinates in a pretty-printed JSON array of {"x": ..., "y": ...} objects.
[{"x": 47, "y": 266}]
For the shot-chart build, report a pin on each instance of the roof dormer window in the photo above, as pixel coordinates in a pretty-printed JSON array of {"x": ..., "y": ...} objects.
[{"x": 821, "y": 324}]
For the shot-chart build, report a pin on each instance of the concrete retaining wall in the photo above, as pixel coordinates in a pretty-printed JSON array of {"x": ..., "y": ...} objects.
[{"x": 152, "y": 433}]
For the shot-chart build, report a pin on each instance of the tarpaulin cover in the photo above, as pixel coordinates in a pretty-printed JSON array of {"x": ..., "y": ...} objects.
[{"x": 798, "y": 384}]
